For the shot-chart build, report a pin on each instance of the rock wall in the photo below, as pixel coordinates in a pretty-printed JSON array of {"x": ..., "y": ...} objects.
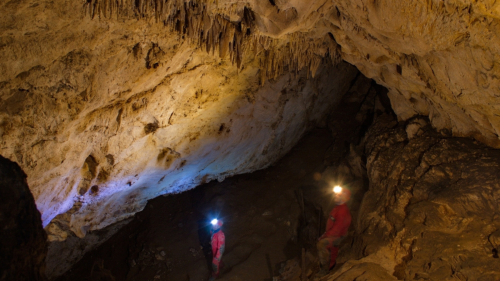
[
  {"x": 106, "y": 104},
  {"x": 106, "y": 114},
  {"x": 431, "y": 211},
  {"x": 437, "y": 58},
  {"x": 23, "y": 244}
]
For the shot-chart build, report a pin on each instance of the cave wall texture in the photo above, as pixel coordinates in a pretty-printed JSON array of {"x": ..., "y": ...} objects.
[
  {"x": 106, "y": 114},
  {"x": 106, "y": 104},
  {"x": 431, "y": 211}
]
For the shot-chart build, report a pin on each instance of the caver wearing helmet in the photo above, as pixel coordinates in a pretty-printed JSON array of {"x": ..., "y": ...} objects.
[
  {"x": 218, "y": 242},
  {"x": 337, "y": 225}
]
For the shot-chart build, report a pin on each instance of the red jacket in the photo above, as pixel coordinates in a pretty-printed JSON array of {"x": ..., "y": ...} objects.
[
  {"x": 218, "y": 244},
  {"x": 340, "y": 224}
]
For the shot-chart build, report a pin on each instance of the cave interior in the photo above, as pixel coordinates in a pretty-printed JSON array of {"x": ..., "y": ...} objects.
[{"x": 126, "y": 127}]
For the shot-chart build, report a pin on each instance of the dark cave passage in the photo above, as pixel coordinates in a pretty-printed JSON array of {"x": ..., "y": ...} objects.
[{"x": 269, "y": 216}]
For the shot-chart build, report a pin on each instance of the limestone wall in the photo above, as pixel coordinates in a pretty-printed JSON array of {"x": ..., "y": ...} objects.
[
  {"x": 431, "y": 211},
  {"x": 106, "y": 104},
  {"x": 104, "y": 114}
]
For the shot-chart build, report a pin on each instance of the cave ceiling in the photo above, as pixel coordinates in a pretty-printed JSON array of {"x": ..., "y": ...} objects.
[{"x": 106, "y": 104}]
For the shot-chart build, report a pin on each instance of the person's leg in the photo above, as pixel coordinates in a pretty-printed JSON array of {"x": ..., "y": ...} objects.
[
  {"x": 215, "y": 268},
  {"x": 334, "y": 252},
  {"x": 323, "y": 253}
]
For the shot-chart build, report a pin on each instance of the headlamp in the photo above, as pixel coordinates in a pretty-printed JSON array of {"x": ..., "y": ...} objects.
[
  {"x": 337, "y": 189},
  {"x": 214, "y": 221}
]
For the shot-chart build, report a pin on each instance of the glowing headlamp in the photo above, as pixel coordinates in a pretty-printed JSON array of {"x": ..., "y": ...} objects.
[
  {"x": 337, "y": 189},
  {"x": 214, "y": 221}
]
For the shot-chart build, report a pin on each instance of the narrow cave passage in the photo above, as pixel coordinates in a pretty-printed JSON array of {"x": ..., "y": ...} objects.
[{"x": 263, "y": 217}]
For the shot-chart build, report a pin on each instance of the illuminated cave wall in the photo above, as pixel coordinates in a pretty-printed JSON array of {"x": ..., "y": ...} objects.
[
  {"x": 108, "y": 103},
  {"x": 431, "y": 210},
  {"x": 105, "y": 104},
  {"x": 104, "y": 115}
]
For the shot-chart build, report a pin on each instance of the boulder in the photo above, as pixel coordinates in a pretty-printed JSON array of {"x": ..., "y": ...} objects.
[
  {"x": 23, "y": 244},
  {"x": 431, "y": 211}
]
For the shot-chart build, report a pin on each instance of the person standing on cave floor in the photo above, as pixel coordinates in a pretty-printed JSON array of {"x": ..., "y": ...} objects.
[
  {"x": 337, "y": 225},
  {"x": 218, "y": 242}
]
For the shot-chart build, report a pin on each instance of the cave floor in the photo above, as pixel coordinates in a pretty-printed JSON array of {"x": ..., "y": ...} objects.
[{"x": 263, "y": 219}]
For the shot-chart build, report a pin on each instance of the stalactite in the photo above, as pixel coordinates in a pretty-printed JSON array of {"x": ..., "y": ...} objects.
[
  {"x": 215, "y": 34},
  {"x": 103, "y": 9},
  {"x": 92, "y": 9}
]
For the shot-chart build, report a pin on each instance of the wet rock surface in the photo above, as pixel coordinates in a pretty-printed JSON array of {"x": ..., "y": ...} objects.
[
  {"x": 23, "y": 245},
  {"x": 431, "y": 211}
]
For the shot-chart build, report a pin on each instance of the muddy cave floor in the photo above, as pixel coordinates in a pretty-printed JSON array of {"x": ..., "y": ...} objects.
[{"x": 264, "y": 225}]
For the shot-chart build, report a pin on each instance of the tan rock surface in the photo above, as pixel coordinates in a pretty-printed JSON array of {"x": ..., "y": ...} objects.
[
  {"x": 104, "y": 115},
  {"x": 431, "y": 211},
  {"x": 86, "y": 105},
  {"x": 437, "y": 58}
]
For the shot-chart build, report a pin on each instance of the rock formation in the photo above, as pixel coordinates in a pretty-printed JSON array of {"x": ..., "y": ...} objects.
[
  {"x": 436, "y": 57},
  {"x": 23, "y": 246},
  {"x": 431, "y": 211},
  {"x": 125, "y": 111},
  {"x": 106, "y": 104}
]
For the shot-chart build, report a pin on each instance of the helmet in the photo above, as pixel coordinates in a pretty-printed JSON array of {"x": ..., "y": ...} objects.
[
  {"x": 343, "y": 193},
  {"x": 216, "y": 223}
]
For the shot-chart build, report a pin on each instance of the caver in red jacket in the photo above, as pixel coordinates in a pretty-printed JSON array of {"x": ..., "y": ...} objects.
[
  {"x": 218, "y": 246},
  {"x": 339, "y": 221},
  {"x": 336, "y": 227}
]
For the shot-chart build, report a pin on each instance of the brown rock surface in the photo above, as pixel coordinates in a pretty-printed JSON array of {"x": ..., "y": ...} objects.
[
  {"x": 104, "y": 115},
  {"x": 23, "y": 244},
  {"x": 431, "y": 212},
  {"x": 438, "y": 58},
  {"x": 106, "y": 104}
]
